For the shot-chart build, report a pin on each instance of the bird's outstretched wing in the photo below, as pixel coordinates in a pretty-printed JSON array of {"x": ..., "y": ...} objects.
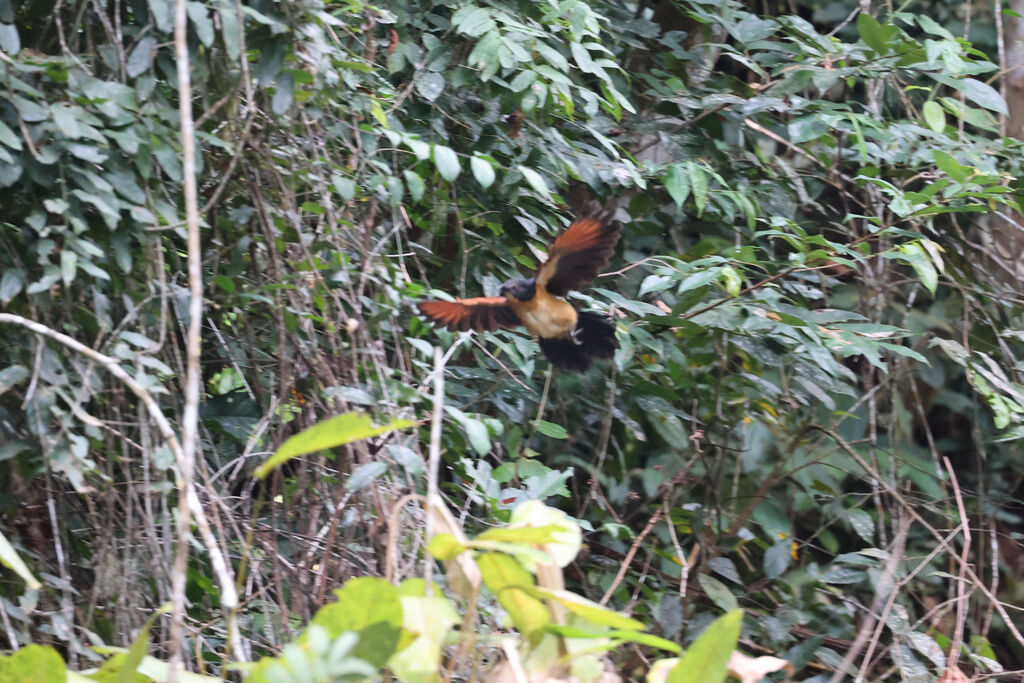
[
  {"x": 578, "y": 255},
  {"x": 486, "y": 313}
]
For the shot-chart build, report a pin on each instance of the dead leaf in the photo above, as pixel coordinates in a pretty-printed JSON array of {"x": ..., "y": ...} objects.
[
  {"x": 753, "y": 669},
  {"x": 954, "y": 675},
  {"x": 464, "y": 577}
]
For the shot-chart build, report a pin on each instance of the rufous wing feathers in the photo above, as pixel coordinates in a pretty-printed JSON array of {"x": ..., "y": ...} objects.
[
  {"x": 578, "y": 255},
  {"x": 484, "y": 314}
]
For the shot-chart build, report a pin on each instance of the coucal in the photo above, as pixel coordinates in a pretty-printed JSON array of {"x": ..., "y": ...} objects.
[{"x": 569, "y": 338}]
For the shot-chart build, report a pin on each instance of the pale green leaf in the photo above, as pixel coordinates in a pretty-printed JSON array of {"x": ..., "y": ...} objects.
[{"x": 337, "y": 431}]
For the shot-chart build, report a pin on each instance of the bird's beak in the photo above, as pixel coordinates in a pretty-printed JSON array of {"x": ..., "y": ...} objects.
[{"x": 503, "y": 291}]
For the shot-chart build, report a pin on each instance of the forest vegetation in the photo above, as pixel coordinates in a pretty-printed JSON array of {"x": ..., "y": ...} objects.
[{"x": 231, "y": 447}]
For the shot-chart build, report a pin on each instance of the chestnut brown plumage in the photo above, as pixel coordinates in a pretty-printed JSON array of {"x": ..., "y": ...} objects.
[{"x": 567, "y": 337}]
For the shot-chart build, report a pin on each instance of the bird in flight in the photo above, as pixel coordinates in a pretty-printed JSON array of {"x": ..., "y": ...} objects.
[{"x": 569, "y": 338}]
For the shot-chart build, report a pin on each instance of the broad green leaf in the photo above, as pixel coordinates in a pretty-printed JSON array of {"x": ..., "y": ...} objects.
[
  {"x": 415, "y": 184},
  {"x": 200, "y": 18},
  {"x": 364, "y": 475},
  {"x": 536, "y": 181},
  {"x": 10, "y": 41},
  {"x": 984, "y": 95},
  {"x": 914, "y": 254},
  {"x": 140, "y": 59},
  {"x": 877, "y": 36},
  {"x": 359, "y": 603},
  {"x": 337, "y": 431},
  {"x": 430, "y": 618},
  {"x": 934, "y": 116},
  {"x": 33, "y": 664},
  {"x": 445, "y": 547},
  {"x": 522, "y": 534},
  {"x": 699, "y": 185},
  {"x": 8, "y": 138},
  {"x": 677, "y": 182},
  {"x": 11, "y": 283},
  {"x": 731, "y": 280},
  {"x": 137, "y": 652},
  {"x": 551, "y": 429},
  {"x": 620, "y": 635},
  {"x": 377, "y": 112},
  {"x": 230, "y": 29},
  {"x": 346, "y": 187},
  {"x": 718, "y": 592},
  {"x": 483, "y": 171},
  {"x": 10, "y": 557},
  {"x": 589, "y": 610},
  {"x": 707, "y": 659},
  {"x": 510, "y": 583},
  {"x": 430, "y": 85},
  {"x": 447, "y": 162},
  {"x": 951, "y": 166},
  {"x": 66, "y": 118}
]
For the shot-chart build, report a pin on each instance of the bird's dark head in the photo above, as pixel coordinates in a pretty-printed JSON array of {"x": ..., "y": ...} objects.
[{"x": 521, "y": 290}]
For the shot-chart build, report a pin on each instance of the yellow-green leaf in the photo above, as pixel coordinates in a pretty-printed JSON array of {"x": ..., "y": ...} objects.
[
  {"x": 337, "y": 431},
  {"x": 707, "y": 660},
  {"x": 934, "y": 116}
]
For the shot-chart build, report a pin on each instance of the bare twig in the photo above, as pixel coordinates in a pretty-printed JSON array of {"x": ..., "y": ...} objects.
[
  {"x": 883, "y": 590},
  {"x": 961, "y": 584},
  {"x": 434, "y": 458},
  {"x": 629, "y": 557}
]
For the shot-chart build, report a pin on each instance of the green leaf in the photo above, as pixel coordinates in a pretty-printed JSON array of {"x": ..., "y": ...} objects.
[
  {"x": 8, "y": 138},
  {"x": 430, "y": 85},
  {"x": 717, "y": 591},
  {"x": 473, "y": 20},
  {"x": 522, "y": 81},
  {"x": 370, "y": 606},
  {"x": 200, "y": 17},
  {"x": 377, "y": 112},
  {"x": 699, "y": 184},
  {"x": 619, "y": 635},
  {"x": 483, "y": 171},
  {"x": 447, "y": 162},
  {"x": 33, "y": 664},
  {"x": 230, "y": 30},
  {"x": 346, "y": 187},
  {"x": 510, "y": 583},
  {"x": 66, "y": 118},
  {"x": 983, "y": 95},
  {"x": 10, "y": 558},
  {"x": 361, "y": 602},
  {"x": 11, "y": 283},
  {"x": 137, "y": 652},
  {"x": 364, "y": 475},
  {"x": 445, "y": 547},
  {"x": 536, "y": 181},
  {"x": 415, "y": 184},
  {"x": 914, "y": 254},
  {"x": 589, "y": 610},
  {"x": 551, "y": 429},
  {"x": 731, "y": 280},
  {"x": 951, "y": 166},
  {"x": 337, "y": 431},
  {"x": 934, "y": 116},
  {"x": 877, "y": 36},
  {"x": 678, "y": 184},
  {"x": 141, "y": 57},
  {"x": 707, "y": 659},
  {"x": 10, "y": 41}
]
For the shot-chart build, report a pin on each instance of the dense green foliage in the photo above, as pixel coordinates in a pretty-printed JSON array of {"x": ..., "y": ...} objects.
[{"x": 818, "y": 313}]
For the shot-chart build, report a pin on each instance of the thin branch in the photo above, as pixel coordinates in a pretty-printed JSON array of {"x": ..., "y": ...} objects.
[{"x": 193, "y": 379}]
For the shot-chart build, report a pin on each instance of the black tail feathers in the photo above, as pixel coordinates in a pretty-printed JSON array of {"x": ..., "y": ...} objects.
[{"x": 594, "y": 337}]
